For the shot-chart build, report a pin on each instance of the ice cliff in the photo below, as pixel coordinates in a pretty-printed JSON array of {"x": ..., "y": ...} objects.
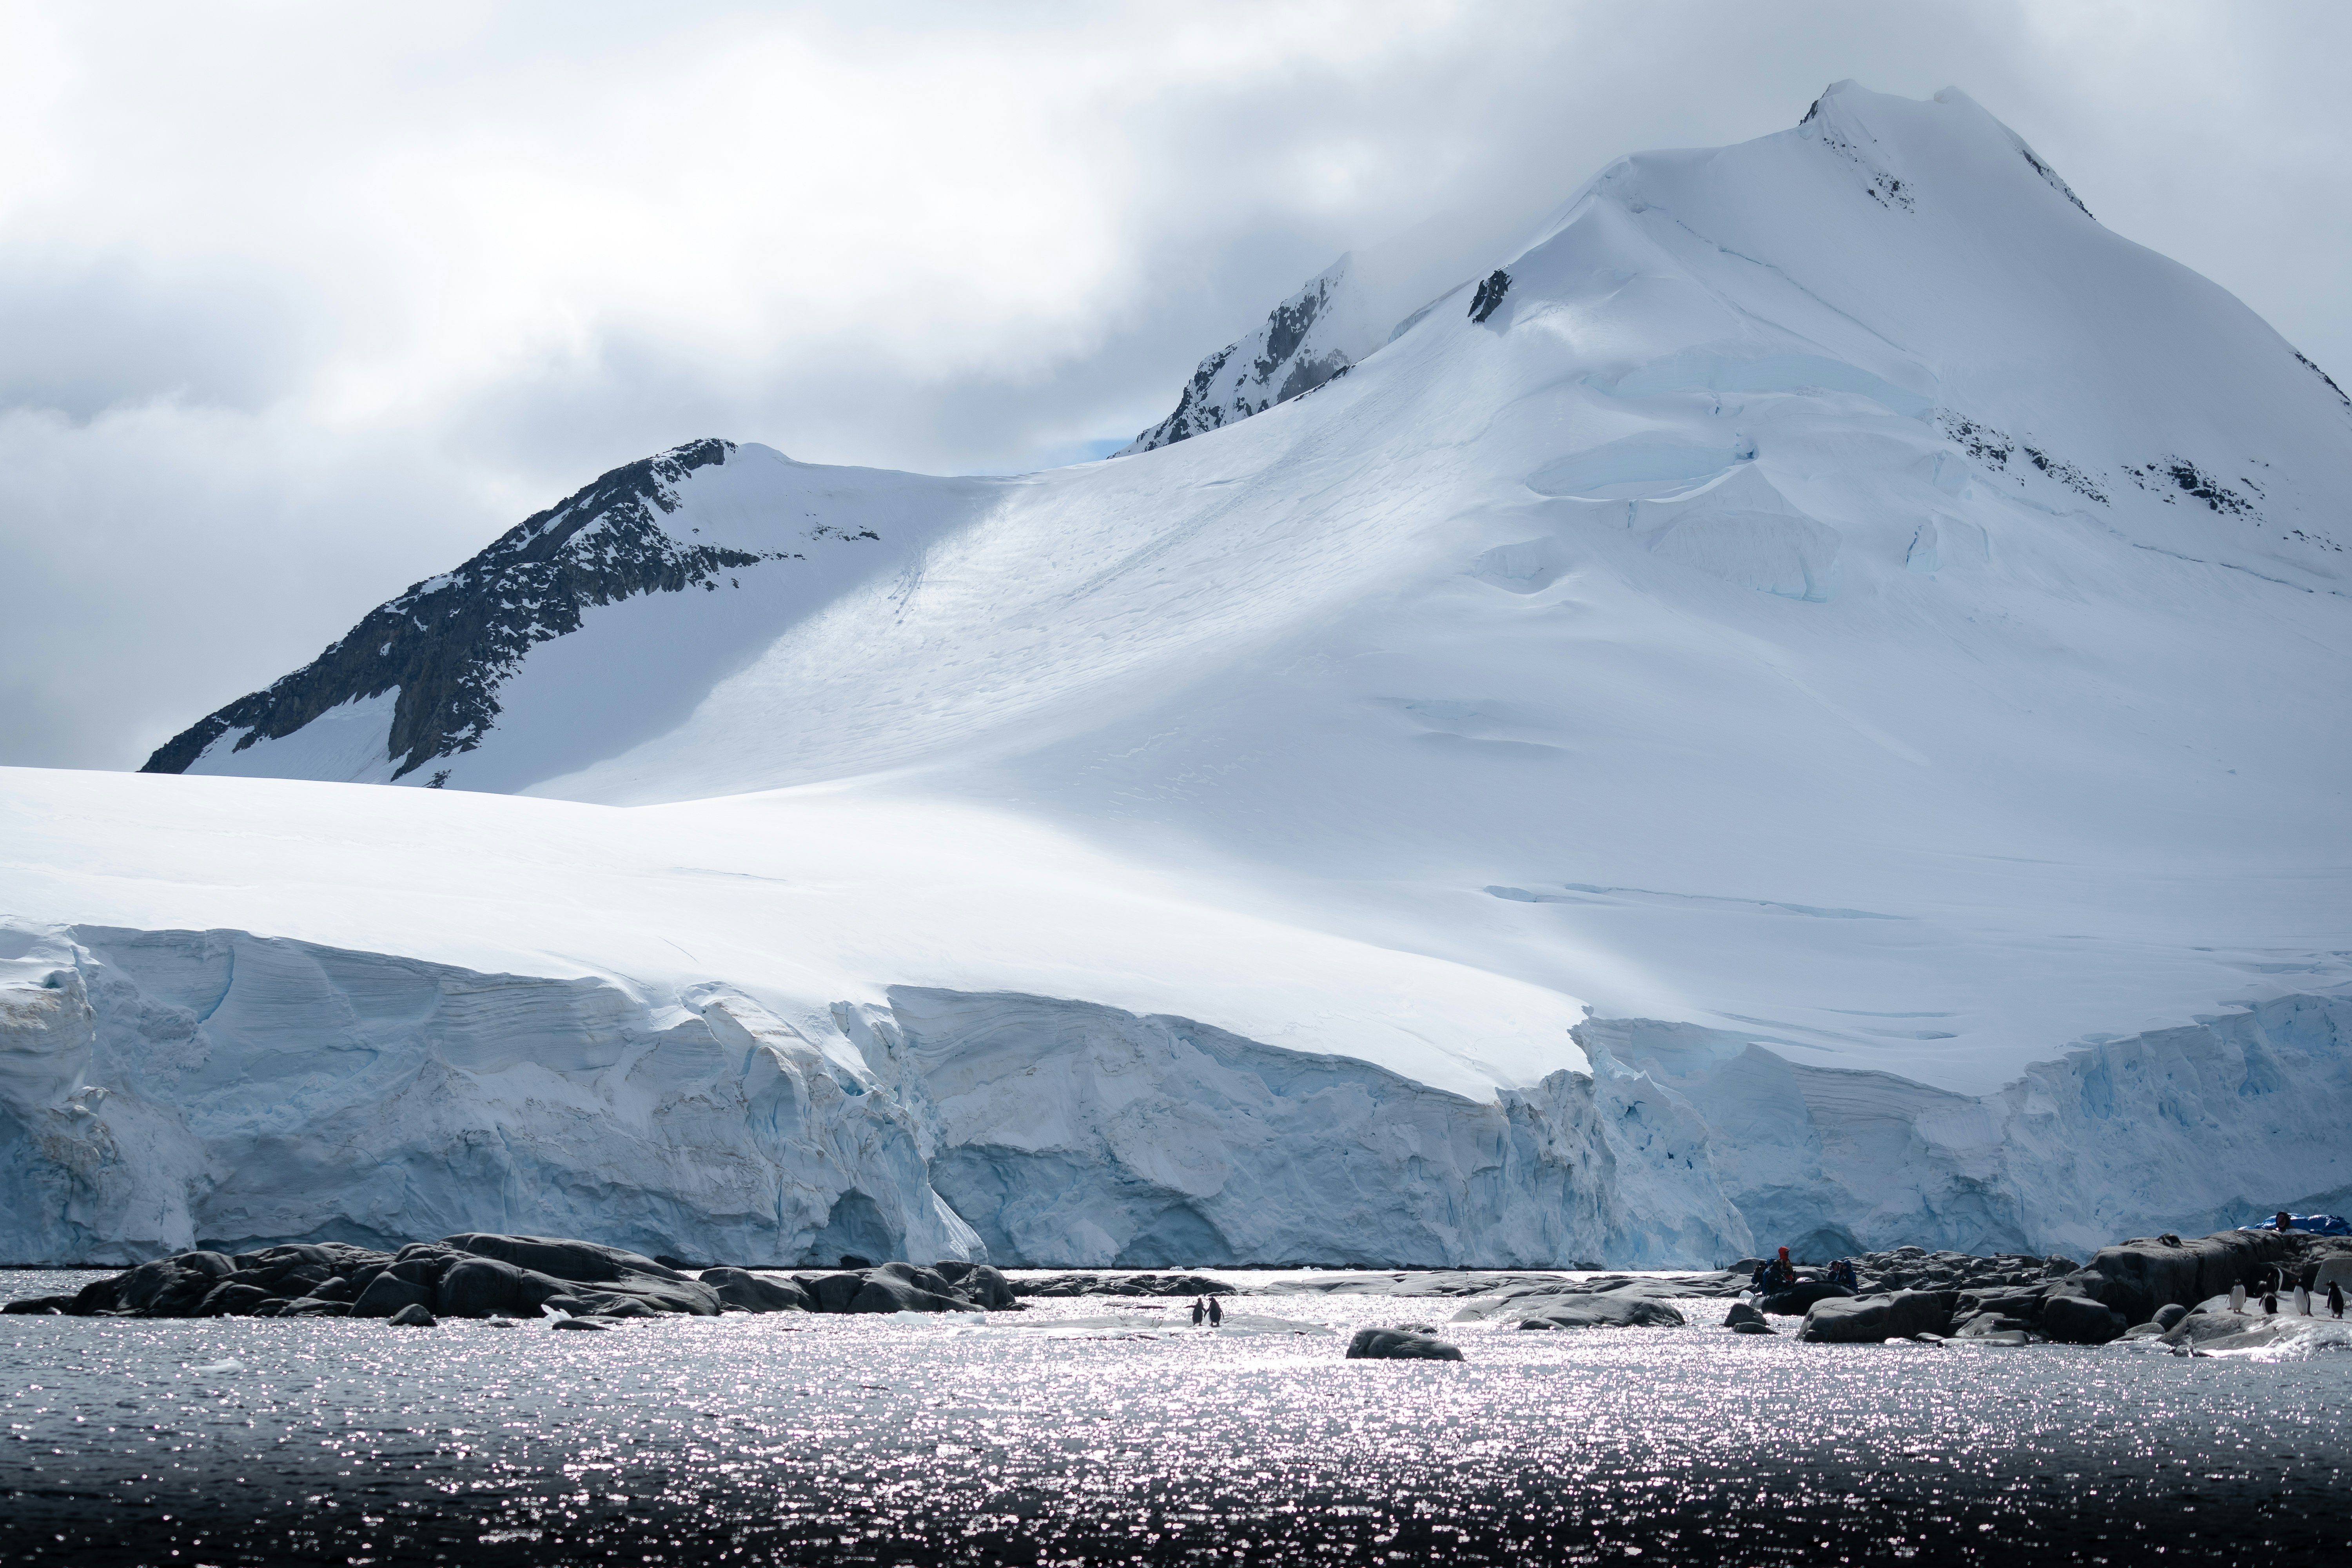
[{"x": 1847, "y": 637}]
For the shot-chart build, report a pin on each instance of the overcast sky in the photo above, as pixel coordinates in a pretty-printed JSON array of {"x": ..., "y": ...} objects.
[{"x": 299, "y": 304}]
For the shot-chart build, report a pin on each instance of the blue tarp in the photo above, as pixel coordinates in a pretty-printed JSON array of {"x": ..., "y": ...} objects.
[{"x": 2317, "y": 1223}]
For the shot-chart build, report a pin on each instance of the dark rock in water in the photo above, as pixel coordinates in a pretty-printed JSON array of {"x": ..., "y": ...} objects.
[
  {"x": 312, "y": 1307},
  {"x": 387, "y": 1294},
  {"x": 885, "y": 1293},
  {"x": 1741, "y": 1313},
  {"x": 1755, "y": 1326},
  {"x": 2079, "y": 1321},
  {"x": 617, "y": 1307},
  {"x": 831, "y": 1292},
  {"x": 274, "y": 1307},
  {"x": 333, "y": 1288},
  {"x": 578, "y": 1324},
  {"x": 571, "y": 1306},
  {"x": 478, "y": 1288},
  {"x": 584, "y": 1261},
  {"x": 1616, "y": 1309},
  {"x": 1399, "y": 1344},
  {"x": 2138, "y": 1277},
  {"x": 2169, "y": 1317},
  {"x": 229, "y": 1300},
  {"x": 1798, "y": 1299},
  {"x": 1105, "y": 1284},
  {"x": 851, "y": 1260},
  {"x": 39, "y": 1307},
  {"x": 988, "y": 1286},
  {"x": 740, "y": 1288},
  {"x": 1866, "y": 1320},
  {"x": 425, "y": 1269},
  {"x": 143, "y": 1284},
  {"x": 1983, "y": 1325}
]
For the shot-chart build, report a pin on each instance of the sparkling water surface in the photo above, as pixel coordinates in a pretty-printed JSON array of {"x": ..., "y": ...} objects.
[{"x": 1109, "y": 1429}]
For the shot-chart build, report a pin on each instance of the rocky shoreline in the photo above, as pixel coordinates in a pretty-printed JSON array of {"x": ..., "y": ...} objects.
[
  {"x": 2164, "y": 1288},
  {"x": 478, "y": 1275}
]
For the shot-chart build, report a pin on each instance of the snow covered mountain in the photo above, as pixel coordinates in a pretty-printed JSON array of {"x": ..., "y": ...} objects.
[{"x": 1856, "y": 640}]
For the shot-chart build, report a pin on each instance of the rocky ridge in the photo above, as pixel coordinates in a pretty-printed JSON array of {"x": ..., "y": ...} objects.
[{"x": 447, "y": 644}]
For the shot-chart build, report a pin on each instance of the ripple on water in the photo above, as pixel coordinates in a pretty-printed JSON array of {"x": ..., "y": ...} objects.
[{"x": 1107, "y": 1431}]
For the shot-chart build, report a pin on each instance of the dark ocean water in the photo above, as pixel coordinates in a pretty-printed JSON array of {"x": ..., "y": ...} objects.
[{"x": 1090, "y": 1431}]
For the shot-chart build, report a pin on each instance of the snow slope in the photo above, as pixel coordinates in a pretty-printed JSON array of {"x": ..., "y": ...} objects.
[{"x": 1841, "y": 600}]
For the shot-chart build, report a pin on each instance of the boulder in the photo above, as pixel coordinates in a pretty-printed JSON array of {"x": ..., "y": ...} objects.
[
  {"x": 230, "y": 1300},
  {"x": 39, "y": 1307},
  {"x": 1867, "y": 1319},
  {"x": 614, "y": 1308},
  {"x": 2079, "y": 1321},
  {"x": 1617, "y": 1309},
  {"x": 1399, "y": 1344},
  {"x": 885, "y": 1293},
  {"x": 987, "y": 1285},
  {"x": 218, "y": 1265},
  {"x": 2138, "y": 1277},
  {"x": 387, "y": 1294},
  {"x": 478, "y": 1288},
  {"x": 741, "y": 1288},
  {"x": 1741, "y": 1313},
  {"x": 312, "y": 1307},
  {"x": 1757, "y": 1326},
  {"x": 413, "y": 1315},
  {"x": 1798, "y": 1299},
  {"x": 1981, "y": 1324},
  {"x": 143, "y": 1284},
  {"x": 585, "y": 1261},
  {"x": 2168, "y": 1317},
  {"x": 831, "y": 1292},
  {"x": 579, "y": 1323},
  {"x": 333, "y": 1288}
]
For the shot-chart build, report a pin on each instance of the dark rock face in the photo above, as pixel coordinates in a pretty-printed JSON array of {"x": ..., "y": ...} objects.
[
  {"x": 1489, "y": 297},
  {"x": 1273, "y": 365},
  {"x": 1120, "y": 1285},
  {"x": 39, "y": 1307},
  {"x": 415, "y": 1316},
  {"x": 387, "y": 1294},
  {"x": 2138, "y": 1277},
  {"x": 582, "y": 1260},
  {"x": 229, "y": 1300},
  {"x": 1866, "y": 1320},
  {"x": 449, "y": 644},
  {"x": 1399, "y": 1344},
  {"x": 478, "y": 1288},
  {"x": 2169, "y": 1317},
  {"x": 2079, "y": 1321}
]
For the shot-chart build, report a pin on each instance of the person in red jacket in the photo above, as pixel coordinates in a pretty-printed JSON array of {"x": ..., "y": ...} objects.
[{"x": 1784, "y": 1272}]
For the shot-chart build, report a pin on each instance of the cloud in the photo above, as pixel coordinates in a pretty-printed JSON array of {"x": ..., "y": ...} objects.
[{"x": 301, "y": 304}]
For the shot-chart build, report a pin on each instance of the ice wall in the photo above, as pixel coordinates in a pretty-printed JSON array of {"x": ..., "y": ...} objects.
[
  {"x": 163, "y": 1089},
  {"x": 159, "y": 1088},
  {"x": 2189, "y": 1130}
]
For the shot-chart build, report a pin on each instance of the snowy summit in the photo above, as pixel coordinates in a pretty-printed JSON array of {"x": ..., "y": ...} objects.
[{"x": 1804, "y": 701}]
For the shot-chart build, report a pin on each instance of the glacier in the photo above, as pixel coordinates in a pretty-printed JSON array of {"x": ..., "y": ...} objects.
[{"x": 1817, "y": 718}]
